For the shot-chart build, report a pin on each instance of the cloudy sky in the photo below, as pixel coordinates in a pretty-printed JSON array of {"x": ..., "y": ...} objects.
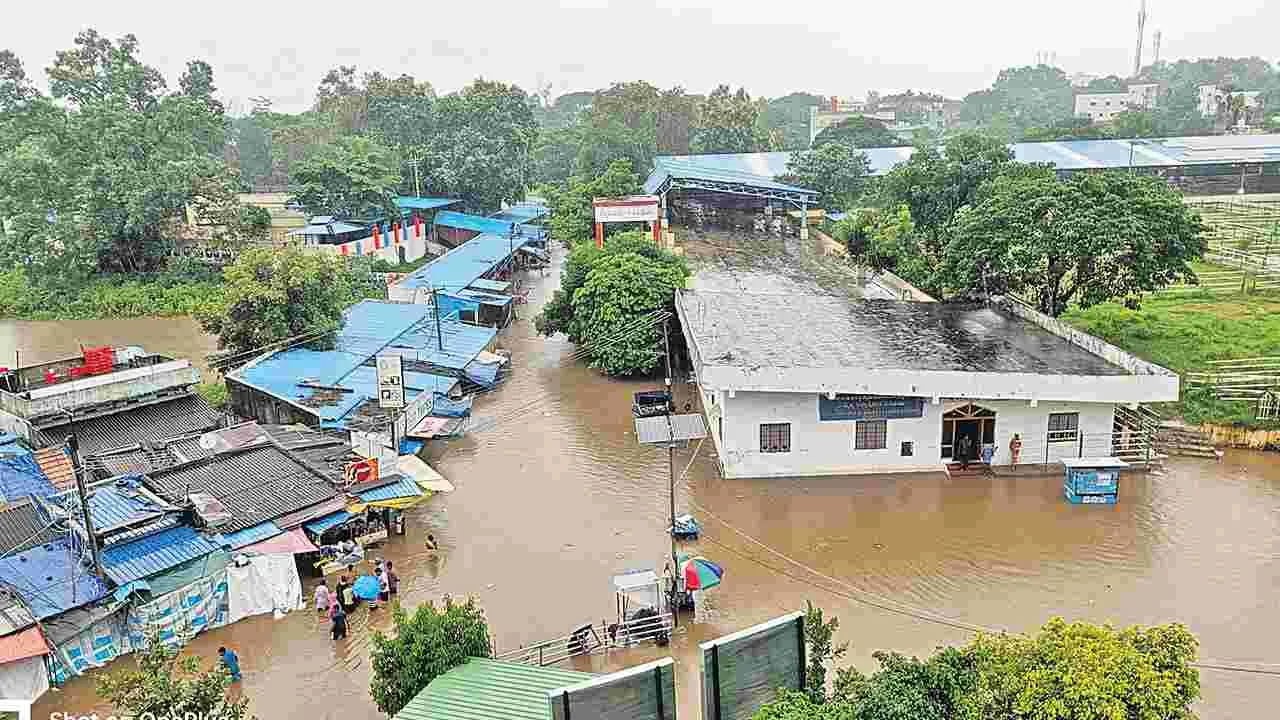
[{"x": 280, "y": 49}]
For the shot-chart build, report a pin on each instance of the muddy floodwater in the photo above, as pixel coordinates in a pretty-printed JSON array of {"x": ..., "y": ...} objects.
[
  {"x": 41, "y": 341},
  {"x": 554, "y": 496}
]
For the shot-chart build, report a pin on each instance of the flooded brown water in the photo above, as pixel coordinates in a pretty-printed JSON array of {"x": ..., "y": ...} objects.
[
  {"x": 46, "y": 340},
  {"x": 557, "y": 497}
]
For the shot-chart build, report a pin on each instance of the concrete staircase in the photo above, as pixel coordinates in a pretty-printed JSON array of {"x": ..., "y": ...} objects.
[{"x": 1179, "y": 439}]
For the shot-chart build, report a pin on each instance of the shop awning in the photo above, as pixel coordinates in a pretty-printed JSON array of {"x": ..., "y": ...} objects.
[
  {"x": 332, "y": 520},
  {"x": 399, "y": 495},
  {"x": 293, "y": 542}
]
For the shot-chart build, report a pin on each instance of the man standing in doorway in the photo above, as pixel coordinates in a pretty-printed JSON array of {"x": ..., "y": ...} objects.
[{"x": 966, "y": 451}]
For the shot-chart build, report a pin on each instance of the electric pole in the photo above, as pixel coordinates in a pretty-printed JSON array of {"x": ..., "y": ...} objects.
[
  {"x": 435, "y": 308},
  {"x": 73, "y": 449}
]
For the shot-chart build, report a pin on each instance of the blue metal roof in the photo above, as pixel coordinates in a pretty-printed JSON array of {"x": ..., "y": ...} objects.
[
  {"x": 371, "y": 328},
  {"x": 1065, "y": 155},
  {"x": 522, "y": 213},
  {"x": 463, "y": 265},
  {"x": 478, "y": 223},
  {"x": 248, "y": 536},
  {"x": 423, "y": 203},
  {"x": 720, "y": 168},
  {"x": 404, "y": 487},
  {"x": 121, "y": 503},
  {"x": 154, "y": 552},
  {"x": 320, "y": 524},
  {"x": 20, "y": 476},
  {"x": 49, "y": 581}
]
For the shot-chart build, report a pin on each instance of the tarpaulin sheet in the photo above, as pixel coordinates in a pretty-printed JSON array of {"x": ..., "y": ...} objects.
[
  {"x": 20, "y": 476},
  {"x": 183, "y": 613},
  {"x": 443, "y": 406},
  {"x": 482, "y": 374},
  {"x": 93, "y": 647},
  {"x": 183, "y": 575},
  {"x": 292, "y": 542},
  {"x": 268, "y": 583},
  {"x": 22, "y": 645},
  {"x": 23, "y": 679}
]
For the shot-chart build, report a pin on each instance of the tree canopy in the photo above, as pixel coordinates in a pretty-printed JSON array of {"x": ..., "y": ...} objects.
[
  {"x": 98, "y": 177},
  {"x": 1066, "y": 671},
  {"x": 166, "y": 684},
  {"x": 271, "y": 295},
  {"x": 860, "y": 132},
  {"x": 838, "y": 171},
  {"x": 1021, "y": 98},
  {"x": 789, "y": 115},
  {"x": 572, "y": 217},
  {"x": 604, "y": 296},
  {"x": 727, "y": 122},
  {"x": 1081, "y": 241},
  {"x": 424, "y": 646},
  {"x": 352, "y": 177}
]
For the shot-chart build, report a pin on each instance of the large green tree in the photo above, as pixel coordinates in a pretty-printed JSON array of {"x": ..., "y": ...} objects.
[
  {"x": 1021, "y": 98},
  {"x": 604, "y": 296},
  {"x": 128, "y": 155},
  {"x": 482, "y": 145},
  {"x": 353, "y": 177},
  {"x": 860, "y": 131},
  {"x": 1081, "y": 241},
  {"x": 271, "y": 295},
  {"x": 166, "y": 684},
  {"x": 424, "y": 646},
  {"x": 789, "y": 115},
  {"x": 838, "y": 171},
  {"x": 726, "y": 122}
]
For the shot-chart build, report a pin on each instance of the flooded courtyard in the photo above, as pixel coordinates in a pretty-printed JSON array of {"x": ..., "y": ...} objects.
[{"x": 554, "y": 496}]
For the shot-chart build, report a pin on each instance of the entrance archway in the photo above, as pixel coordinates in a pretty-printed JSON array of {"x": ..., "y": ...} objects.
[{"x": 974, "y": 422}]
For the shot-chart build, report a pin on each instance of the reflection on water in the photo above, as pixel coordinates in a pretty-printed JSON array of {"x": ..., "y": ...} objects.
[{"x": 558, "y": 496}]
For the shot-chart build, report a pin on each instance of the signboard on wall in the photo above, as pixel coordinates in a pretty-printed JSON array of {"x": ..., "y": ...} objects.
[
  {"x": 390, "y": 382},
  {"x": 869, "y": 407},
  {"x": 638, "y": 208}
]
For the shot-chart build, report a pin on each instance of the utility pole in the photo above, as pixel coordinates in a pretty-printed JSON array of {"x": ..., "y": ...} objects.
[
  {"x": 435, "y": 308},
  {"x": 671, "y": 442},
  {"x": 73, "y": 448}
]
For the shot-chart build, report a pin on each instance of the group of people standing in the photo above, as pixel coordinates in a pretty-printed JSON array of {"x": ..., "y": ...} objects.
[{"x": 343, "y": 599}]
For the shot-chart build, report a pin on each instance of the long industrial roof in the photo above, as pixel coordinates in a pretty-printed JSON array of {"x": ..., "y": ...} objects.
[
  {"x": 463, "y": 265},
  {"x": 1065, "y": 155},
  {"x": 478, "y": 223},
  {"x": 719, "y": 169},
  {"x": 423, "y": 203}
]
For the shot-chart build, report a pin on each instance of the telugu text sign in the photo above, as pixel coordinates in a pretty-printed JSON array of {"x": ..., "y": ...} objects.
[{"x": 642, "y": 212}]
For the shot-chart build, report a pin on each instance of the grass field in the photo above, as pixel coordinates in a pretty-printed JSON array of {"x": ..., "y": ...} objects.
[{"x": 1183, "y": 332}]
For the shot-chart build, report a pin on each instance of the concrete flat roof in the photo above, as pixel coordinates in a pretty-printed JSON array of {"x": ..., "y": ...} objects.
[{"x": 787, "y": 330}]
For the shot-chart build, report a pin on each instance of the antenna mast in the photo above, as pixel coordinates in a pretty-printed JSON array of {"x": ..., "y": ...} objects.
[{"x": 1142, "y": 24}]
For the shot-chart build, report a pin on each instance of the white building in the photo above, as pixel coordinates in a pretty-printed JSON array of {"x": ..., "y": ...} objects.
[
  {"x": 1104, "y": 107},
  {"x": 1211, "y": 98},
  {"x": 817, "y": 384}
]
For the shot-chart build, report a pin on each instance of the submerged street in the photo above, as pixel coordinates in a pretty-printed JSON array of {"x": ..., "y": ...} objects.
[{"x": 554, "y": 496}]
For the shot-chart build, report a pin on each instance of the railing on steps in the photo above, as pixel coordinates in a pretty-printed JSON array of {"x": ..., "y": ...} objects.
[{"x": 589, "y": 639}]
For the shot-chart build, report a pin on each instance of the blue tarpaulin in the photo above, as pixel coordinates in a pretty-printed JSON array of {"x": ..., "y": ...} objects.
[
  {"x": 20, "y": 476},
  {"x": 49, "y": 580},
  {"x": 483, "y": 374},
  {"x": 409, "y": 446},
  {"x": 444, "y": 406}
]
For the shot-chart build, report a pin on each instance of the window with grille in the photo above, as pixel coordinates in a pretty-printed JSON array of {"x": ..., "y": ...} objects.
[
  {"x": 1064, "y": 427},
  {"x": 775, "y": 437},
  {"x": 870, "y": 435}
]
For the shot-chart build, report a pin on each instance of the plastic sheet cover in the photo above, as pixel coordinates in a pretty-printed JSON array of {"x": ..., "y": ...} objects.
[
  {"x": 93, "y": 647},
  {"x": 266, "y": 584},
  {"x": 183, "y": 613}
]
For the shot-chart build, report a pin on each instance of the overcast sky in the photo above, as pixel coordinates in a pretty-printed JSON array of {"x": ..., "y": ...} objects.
[{"x": 835, "y": 47}]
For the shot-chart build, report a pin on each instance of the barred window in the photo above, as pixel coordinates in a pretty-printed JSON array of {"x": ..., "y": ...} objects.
[
  {"x": 1064, "y": 427},
  {"x": 775, "y": 437},
  {"x": 870, "y": 435}
]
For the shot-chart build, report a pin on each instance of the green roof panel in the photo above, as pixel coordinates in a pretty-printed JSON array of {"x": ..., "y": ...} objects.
[{"x": 485, "y": 689}]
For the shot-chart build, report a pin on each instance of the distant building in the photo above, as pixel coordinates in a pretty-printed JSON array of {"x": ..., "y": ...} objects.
[
  {"x": 1104, "y": 107},
  {"x": 1082, "y": 79},
  {"x": 1212, "y": 99},
  {"x": 901, "y": 112}
]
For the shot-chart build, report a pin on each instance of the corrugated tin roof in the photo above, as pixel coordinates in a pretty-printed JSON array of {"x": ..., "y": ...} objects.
[
  {"x": 48, "y": 581},
  {"x": 484, "y": 689},
  {"x": 403, "y": 487},
  {"x": 122, "y": 503},
  {"x": 295, "y": 519},
  {"x": 694, "y": 167},
  {"x": 56, "y": 466},
  {"x": 478, "y": 223},
  {"x": 462, "y": 266},
  {"x": 423, "y": 203},
  {"x": 521, "y": 213},
  {"x": 22, "y": 645},
  {"x": 653, "y": 430},
  {"x": 1065, "y": 155},
  {"x": 320, "y": 524},
  {"x": 184, "y": 415},
  {"x": 24, "y": 525},
  {"x": 21, "y": 477},
  {"x": 154, "y": 553},
  {"x": 293, "y": 542},
  {"x": 248, "y": 536},
  {"x": 258, "y": 483}
]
